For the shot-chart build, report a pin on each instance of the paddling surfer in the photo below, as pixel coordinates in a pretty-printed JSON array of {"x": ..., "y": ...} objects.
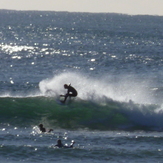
[
  {"x": 42, "y": 129},
  {"x": 60, "y": 145}
]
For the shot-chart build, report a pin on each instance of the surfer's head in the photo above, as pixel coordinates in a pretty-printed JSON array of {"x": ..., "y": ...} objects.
[
  {"x": 59, "y": 141},
  {"x": 65, "y": 86},
  {"x": 41, "y": 125}
]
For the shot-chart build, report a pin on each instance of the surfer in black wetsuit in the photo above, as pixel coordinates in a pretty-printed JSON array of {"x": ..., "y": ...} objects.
[
  {"x": 71, "y": 92},
  {"x": 60, "y": 145},
  {"x": 42, "y": 129}
]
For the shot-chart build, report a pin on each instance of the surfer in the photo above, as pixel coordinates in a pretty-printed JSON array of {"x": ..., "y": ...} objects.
[
  {"x": 71, "y": 92},
  {"x": 42, "y": 129},
  {"x": 60, "y": 145}
]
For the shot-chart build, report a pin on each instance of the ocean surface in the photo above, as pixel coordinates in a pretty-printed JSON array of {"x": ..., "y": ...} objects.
[{"x": 114, "y": 61}]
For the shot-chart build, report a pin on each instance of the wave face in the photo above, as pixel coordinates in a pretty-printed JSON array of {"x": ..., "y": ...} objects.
[
  {"x": 80, "y": 114},
  {"x": 99, "y": 106}
]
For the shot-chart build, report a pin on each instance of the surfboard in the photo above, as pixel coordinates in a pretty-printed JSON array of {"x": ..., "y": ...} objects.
[
  {"x": 68, "y": 101},
  {"x": 37, "y": 130},
  {"x": 60, "y": 100}
]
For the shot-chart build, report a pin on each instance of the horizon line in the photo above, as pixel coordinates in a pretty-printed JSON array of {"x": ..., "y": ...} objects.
[{"x": 118, "y": 13}]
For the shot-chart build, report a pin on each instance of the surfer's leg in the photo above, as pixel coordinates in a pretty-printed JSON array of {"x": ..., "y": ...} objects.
[{"x": 65, "y": 97}]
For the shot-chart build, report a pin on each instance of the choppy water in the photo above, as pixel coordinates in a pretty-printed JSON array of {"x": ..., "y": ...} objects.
[{"x": 115, "y": 63}]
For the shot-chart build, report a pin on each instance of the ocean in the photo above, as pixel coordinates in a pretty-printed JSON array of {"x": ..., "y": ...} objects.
[{"x": 114, "y": 61}]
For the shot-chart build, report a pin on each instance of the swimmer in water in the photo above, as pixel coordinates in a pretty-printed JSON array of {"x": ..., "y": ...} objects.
[
  {"x": 42, "y": 129},
  {"x": 60, "y": 145}
]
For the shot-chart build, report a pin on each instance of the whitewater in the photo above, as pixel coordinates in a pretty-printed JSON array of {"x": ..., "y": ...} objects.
[{"x": 115, "y": 63}]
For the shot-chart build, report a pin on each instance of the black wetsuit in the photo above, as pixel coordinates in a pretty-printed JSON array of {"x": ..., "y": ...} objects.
[{"x": 71, "y": 92}]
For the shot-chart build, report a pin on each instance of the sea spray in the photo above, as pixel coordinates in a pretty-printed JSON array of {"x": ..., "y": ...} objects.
[{"x": 123, "y": 88}]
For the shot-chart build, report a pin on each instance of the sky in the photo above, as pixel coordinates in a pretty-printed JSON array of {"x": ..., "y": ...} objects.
[{"x": 132, "y": 7}]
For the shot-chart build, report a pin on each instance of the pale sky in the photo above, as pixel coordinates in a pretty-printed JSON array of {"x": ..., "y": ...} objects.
[{"x": 133, "y": 7}]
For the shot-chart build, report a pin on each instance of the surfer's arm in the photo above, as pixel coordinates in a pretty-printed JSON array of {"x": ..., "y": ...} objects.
[{"x": 72, "y": 144}]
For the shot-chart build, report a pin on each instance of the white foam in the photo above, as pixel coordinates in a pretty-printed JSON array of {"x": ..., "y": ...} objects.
[{"x": 121, "y": 89}]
